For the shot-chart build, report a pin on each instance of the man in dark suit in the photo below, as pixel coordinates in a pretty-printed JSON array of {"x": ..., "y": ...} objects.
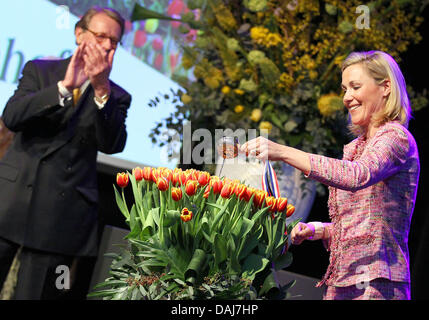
[{"x": 48, "y": 182}]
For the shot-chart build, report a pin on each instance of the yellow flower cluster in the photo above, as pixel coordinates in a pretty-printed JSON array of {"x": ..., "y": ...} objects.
[
  {"x": 226, "y": 89},
  {"x": 185, "y": 98},
  {"x": 339, "y": 60},
  {"x": 286, "y": 81},
  {"x": 223, "y": 15},
  {"x": 330, "y": 103},
  {"x": 272, "y": 40},
  {"x": 266, "y": 126},
  {"x": 264, "y": 37},
  {"x": 258, "y": 34},
  {"x": 239, "y": 108},
  {"x": 256, "y": 115},
  {"x": 212, "y": 76}
]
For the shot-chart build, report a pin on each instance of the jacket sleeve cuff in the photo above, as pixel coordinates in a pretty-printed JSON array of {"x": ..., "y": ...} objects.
[{"x": 318, "y": 230}]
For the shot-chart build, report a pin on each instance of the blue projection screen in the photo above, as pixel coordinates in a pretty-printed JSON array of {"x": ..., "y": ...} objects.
[{"x": 32, "y": 29}]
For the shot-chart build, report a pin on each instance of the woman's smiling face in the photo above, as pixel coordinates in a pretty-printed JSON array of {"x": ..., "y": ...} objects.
[{"x": 362, "y": 95}]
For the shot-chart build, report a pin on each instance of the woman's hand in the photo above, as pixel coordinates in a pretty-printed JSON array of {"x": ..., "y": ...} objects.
[
  {"x": 301, "y": 232},
  {"x": 264, "y": 149}
]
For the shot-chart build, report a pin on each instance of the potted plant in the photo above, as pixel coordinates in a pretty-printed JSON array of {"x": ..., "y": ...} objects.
[{"x": 197, "y": 236}]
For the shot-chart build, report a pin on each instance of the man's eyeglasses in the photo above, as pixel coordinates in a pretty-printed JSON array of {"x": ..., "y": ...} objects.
[{"x": 100, "y": 37}]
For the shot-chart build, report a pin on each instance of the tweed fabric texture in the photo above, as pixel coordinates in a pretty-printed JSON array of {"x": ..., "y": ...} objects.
[
  {"x": 372, "y": 193},
  {"x": 377, "y": 289}
]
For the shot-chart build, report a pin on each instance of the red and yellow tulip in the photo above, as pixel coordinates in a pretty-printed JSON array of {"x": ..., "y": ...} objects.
[
  {"x": 147, "y": 173},
  {"x": 248, "y": 193},
  {"x": 155, "y": 174},
  {"x": 226, "y": 191},
  {"x": 184, "y": 177},
  {"x": 122, "y": 179},
  {"x": 259, "y": 198},
  {"x": 176, "y": 177},
  {"x": 281, "y": 204},
  {"x": 176, "y": 194},
  {"x": 166, "y": 173},
  {"x": 162, "y": 183},
  {"x": 203, "y": 178},
  {"x": 290, "y": 210},
  {"x": 191, "y": 187},
  {"x": 239, "y": 190},
  {"x": 216, "y": 184},
  {"x": 138, "y": 173},
  {"x": 186, "y": 215},
  {"x": 207, "y": 191},
  {"x": 272, "y": 203}
]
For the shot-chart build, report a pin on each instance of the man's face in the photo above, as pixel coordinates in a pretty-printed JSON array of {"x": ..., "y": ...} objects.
[{"x": 102, "y": 30}]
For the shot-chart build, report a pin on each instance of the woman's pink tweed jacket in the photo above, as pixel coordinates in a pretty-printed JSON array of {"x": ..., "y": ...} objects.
[{"x": 371, "y": 201}]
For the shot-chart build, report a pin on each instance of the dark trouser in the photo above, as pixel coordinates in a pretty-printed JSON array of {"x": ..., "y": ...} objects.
[{"x": 44, "y": 275}]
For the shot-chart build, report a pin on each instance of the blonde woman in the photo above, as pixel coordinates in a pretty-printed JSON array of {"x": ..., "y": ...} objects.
[{"x": 372, "y": 190}]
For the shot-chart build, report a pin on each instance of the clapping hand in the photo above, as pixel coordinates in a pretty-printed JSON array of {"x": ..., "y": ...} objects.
[
  {"x": 75, "y": 74},
  {"x": 98, "y": 64},
  {"x": 90, "y": 61}
]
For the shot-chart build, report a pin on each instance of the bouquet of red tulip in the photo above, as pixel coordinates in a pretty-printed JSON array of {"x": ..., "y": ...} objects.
[{"x": 196, "y": 236}]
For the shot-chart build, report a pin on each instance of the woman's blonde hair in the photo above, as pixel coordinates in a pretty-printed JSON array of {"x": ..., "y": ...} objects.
[{"x": 381, "y": 66}]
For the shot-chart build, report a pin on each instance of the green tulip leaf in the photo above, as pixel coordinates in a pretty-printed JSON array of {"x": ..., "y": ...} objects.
[
  {"x": 215, "y": 205},
  {"x": 154, "y": 213},
  {"x": 170, "y": 218},
  {"x": 283, "y": 261},
  {"x": 235, "y": 266},
  {"x": 205, "y": 230},
  {"x": 247, "y": 209},
  {"x": 149, "y": 226},
  {"x": 247, "y": 246},
  {"x": 155, "y": 193},
  {"x": 195, "y": 265},
  {"x": 133, "y": 217},
  {"x": 246, "y": 227},
  {"x": 258, "y": 214},
  {"x": 270, "y": 287},
  {"x": 219, "y": 214},
  {"x": 252, "y": 265},
  {"x": 136, "y": 192},
  {"x": 121, "y": 204},
  {"x": 134, "y": 224},
  {"x": 220, "y": 249}
]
